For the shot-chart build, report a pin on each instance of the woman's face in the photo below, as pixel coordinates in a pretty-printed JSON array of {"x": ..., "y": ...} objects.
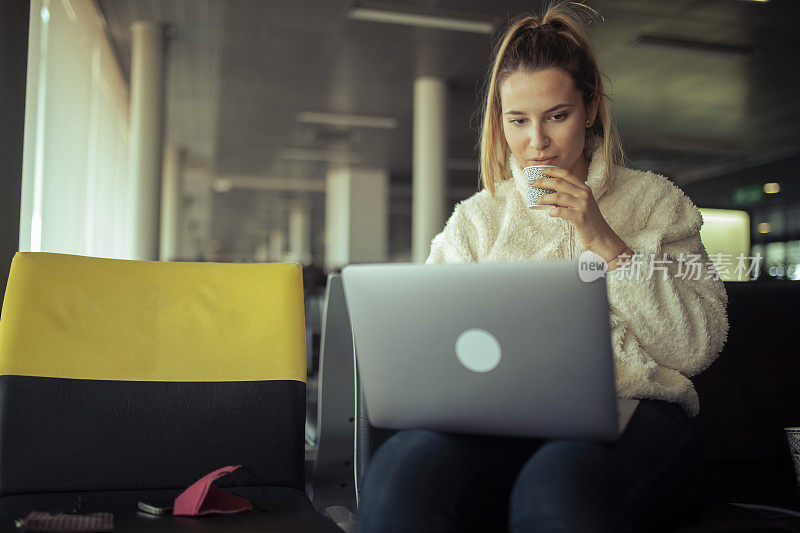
[{"x": 544, "y": 117}]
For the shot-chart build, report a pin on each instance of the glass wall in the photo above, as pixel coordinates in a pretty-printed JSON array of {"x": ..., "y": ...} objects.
[{"x": 76, "y": 135}]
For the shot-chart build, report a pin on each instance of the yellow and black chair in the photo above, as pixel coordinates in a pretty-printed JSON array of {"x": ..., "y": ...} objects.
[{"x": 123, "y": 380}]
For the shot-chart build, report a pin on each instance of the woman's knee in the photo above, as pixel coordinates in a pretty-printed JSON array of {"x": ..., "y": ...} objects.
[
  {"x": 406, "y": 458},
  {"x": 410, "y": 478},
  {"x": 558, "y": 465},
  {"x": 566, "y": 486}
]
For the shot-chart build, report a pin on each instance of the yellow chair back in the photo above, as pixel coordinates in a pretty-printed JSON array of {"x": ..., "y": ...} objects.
[{"x": 86, "y": 318}]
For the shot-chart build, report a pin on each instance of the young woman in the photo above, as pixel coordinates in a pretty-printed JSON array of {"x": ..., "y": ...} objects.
[{"x": 545, "y": 104}]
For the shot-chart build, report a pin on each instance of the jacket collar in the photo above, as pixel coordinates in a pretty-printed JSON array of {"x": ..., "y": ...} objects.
[{"x": 596, "y": 178}]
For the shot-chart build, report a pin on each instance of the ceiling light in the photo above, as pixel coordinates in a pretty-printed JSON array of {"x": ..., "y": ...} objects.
[
  {"x": 331, "y": 156},
  {"x": 221, "y": 185},
  {"x": 341, "y": 119},
  {"x": 685, "y": 45},
  {"x": 772, "y": 188},
  {"x": 271, "y": 183},
  {"x": 686, "y": 143},
  {"x": 763, "y": 227},
  {"x": 420, "y": 20}
]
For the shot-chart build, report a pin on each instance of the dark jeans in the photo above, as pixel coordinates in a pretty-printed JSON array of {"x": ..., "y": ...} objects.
[{"x": 422, "y": 480}]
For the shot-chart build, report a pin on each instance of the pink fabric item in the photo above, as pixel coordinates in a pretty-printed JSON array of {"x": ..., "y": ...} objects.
[{"x": 203, "y": 498}]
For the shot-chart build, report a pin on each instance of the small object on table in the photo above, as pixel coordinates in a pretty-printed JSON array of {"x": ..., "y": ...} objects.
[{"x": 42, "y": 521}]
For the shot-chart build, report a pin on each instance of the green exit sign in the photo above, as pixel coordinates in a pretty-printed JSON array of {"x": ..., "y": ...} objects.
[{"x": 748, "y": 195}]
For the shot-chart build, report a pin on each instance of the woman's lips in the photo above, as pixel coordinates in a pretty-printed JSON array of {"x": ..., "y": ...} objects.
[{"x": 540, "y": 161}]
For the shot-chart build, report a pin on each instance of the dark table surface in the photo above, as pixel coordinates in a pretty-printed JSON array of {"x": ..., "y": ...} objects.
[{"x": 284, "y": 510}]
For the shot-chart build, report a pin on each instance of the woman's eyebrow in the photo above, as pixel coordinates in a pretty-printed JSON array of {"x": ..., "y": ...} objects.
[{"x": 546, "y": 110}]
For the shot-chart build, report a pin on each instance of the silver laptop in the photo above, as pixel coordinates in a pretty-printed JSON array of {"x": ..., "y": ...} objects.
[{"x": 512, "y": 349}]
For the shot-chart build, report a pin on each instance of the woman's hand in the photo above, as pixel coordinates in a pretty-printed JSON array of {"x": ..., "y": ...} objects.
[{"x": 574, "y": 202}]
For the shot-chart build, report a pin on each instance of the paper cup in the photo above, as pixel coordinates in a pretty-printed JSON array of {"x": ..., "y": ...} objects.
[{"x": 532, "y": 174}]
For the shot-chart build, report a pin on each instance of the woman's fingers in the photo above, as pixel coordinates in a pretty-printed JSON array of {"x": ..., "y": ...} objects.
[
  {"x": 559, "y": 185},
  {"x": 558, "y": 172},
  {"x": 563, "y": 181},
  {"x": 559, "y": 198}
]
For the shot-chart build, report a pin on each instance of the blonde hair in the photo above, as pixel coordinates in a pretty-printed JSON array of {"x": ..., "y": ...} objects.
[{"x": 561, "y": 43}]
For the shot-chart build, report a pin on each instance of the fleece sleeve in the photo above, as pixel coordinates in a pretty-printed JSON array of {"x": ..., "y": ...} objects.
[
  {"x": 669, "y": 298},
  {"x": 453, "y": 245}
]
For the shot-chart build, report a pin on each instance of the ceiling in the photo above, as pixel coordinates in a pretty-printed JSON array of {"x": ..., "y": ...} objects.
[{"x": 239, "y": 72}]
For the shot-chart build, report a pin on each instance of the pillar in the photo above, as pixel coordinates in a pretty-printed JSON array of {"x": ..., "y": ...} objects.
[
  {"x": 276, "y": 245},
  {"x": 429, "y": 164},
  {"x": 146, "y": 135},
  {"x": 300, "y": 234},
  {"x": 170, "y": 247},
  {"x": 356, "y": 216}
]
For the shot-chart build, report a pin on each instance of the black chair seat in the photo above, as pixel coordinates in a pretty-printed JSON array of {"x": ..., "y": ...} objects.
[
  {"x": 712, "y": 516},
  {"x": 286, "y": 510}
]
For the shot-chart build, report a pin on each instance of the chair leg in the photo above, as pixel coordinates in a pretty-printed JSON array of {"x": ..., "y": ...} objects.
[{"x": 342, "y": 517}]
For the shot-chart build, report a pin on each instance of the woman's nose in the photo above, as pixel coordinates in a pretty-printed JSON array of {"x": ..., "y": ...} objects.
[{"x": 538, "y": 140}]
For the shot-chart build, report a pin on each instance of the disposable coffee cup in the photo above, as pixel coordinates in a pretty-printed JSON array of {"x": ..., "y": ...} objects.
[
  {"x": 532, "y": 174},
  {"x": 793, "y": 438}
]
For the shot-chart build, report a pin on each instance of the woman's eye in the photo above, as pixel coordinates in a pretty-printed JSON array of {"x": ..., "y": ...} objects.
[
  {"x": 518, "y": 121},
  {"x": 557, "y": 115}
]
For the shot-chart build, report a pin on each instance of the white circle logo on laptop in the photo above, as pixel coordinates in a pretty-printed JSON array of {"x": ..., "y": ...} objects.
[{"x": 478, "y": 350}]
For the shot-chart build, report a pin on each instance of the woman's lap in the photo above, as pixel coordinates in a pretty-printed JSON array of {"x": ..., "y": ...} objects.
[
  {"x": 425, "y": 480},
  {"x": 429, "y": 481}
]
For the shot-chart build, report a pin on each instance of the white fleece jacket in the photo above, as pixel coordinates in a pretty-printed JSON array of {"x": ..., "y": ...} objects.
[{"x": 664, "y": 329}]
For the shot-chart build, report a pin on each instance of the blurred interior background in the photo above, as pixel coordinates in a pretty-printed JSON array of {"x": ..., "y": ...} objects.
[{"x": 265, "y": 130}]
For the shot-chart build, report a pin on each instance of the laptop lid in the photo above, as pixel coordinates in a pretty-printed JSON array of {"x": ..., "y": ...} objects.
[{"x": 516, "y": 349}]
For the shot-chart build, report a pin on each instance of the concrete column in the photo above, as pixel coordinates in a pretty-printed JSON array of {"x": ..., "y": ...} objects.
[
  {"x": 146, "y": 135},
  {"x": 204, "y": 210},
  {"x": 261, "y": 255},
  {"x": 300, "y": 234},
  {"x": 170, "y": 247},
  {"x": 430, "y": 154},
  {"x": 195, "y": 223},
  {"x": 337, "y": 217},
  {"x": 356, "y": 216},
  {"x": 277, "y": 245}
]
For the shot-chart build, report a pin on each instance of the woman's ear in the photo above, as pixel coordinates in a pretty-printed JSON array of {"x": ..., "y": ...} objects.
[{"x": 591, "y": 113}]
